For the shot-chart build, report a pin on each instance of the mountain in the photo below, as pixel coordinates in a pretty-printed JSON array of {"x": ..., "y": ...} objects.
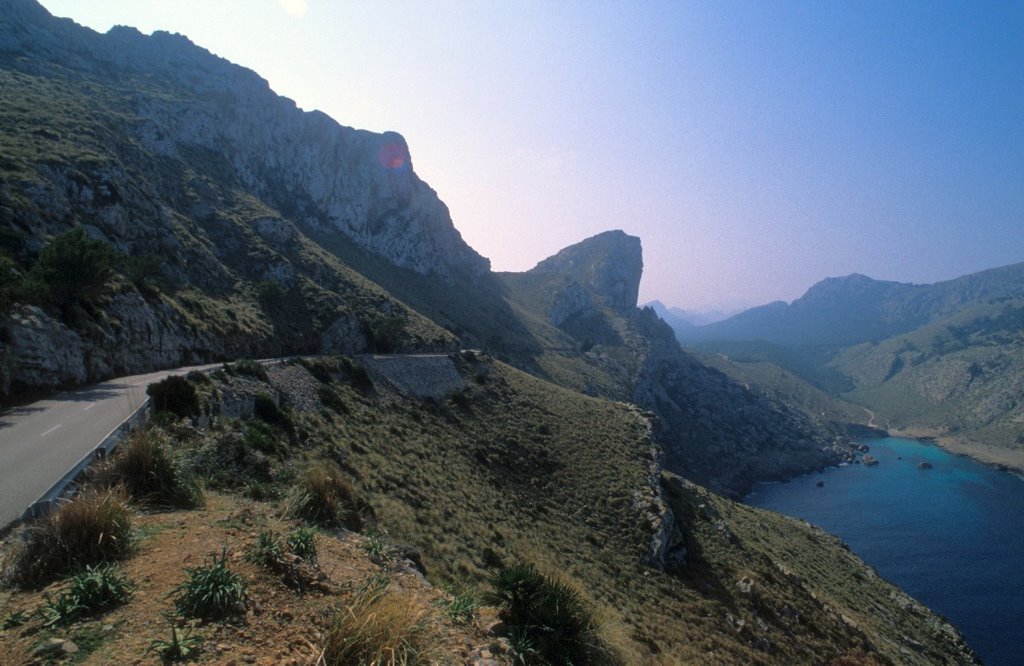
[
  {"x": 854, "y": 309},
  {"x": 218, "y": 197},
  {"x": 684, "y": 319},
  {"x": 942, "y": 360},
  {"x": 960, "y": 378}
]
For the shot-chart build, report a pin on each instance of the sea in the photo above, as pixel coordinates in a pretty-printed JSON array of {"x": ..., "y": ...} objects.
[{"x": 951, "y": 535}]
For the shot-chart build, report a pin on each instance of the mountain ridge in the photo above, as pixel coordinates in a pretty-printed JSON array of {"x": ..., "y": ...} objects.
[{"x": 855, "y": 308}]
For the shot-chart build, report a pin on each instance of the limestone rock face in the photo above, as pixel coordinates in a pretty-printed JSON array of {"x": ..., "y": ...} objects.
[
  {"x": 573, "y": 300},
  {"x": 608, "y": 265},
  {"x": 39, "y": 350},
  {"x": 326, "y": 176}
]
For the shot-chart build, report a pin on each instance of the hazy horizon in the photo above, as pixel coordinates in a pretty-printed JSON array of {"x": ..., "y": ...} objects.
[{"x": 754, "y": 148}]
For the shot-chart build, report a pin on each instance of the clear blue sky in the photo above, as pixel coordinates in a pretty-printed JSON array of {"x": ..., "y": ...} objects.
[{"x": 755, "y": 147}]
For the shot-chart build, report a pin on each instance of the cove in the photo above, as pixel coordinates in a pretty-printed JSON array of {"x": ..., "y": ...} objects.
[{"x": 951, "y": 536}]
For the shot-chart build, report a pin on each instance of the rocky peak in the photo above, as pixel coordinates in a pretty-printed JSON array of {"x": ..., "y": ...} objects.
[
  {"x": 323, "y": 176},
  {"x": 608, "y": 266}
]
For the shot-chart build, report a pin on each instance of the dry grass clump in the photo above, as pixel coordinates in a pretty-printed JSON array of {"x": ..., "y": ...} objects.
[
  {"x": 381, "y": 628},
  {"x": 94, "y": 527},
  {"x": 324, "y": 496},
  {"x": 144, "y": 467}
]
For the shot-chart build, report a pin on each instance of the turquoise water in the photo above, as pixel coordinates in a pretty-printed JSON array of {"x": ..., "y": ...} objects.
[{"x": 952, "y": 536}]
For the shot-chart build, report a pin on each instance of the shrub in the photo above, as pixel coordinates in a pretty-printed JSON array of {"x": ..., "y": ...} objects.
[
  {"x": 323, "y": 496},
  {"x": 271, "y": 295},
  {"x": 247, "y": 367},
  {"x": 91, "y": 591},
  {"x": 14, "y": 619},
  {"x": 355, "y": 374},
  {"x": 146, "y": 470},
  {"x": 302, "y": 542},
  {"x": 332, "y": 400},
  {"x": 547, "y": 615},
  {"x": 73, "y": 268},
  {"x": 175, "y": 395},
  {"x": 94, "y": 527},
  {"x": 260, "y": 436},
  {"x": 322, "y": 369},
  {"x": 375, "y": 545},
  {"x": 229, "y": 462},
  {"x": 211, "y": 592},
  {"x": 380, "y": 628},
  {"x": 266, "y": 409}
]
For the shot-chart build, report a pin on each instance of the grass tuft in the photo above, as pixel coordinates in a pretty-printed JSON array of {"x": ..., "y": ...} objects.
[
  {"x": 380, "y": 627},
  {"x": 211, "y": 592},
  {"x": 93, "y": 590},
  {"x": 325, "y": 497},
  {"x": 144, "y": 467},
  {"x": 94, "y": 527}
]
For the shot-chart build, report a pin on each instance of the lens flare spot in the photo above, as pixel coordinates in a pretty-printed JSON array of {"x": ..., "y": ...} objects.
[{"x": 393, "y": 155}]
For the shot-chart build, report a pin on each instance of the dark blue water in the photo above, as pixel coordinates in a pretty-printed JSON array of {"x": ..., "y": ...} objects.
[{"x": 951, "y": 536}]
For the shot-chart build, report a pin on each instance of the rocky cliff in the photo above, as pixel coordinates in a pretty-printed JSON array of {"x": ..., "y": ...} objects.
[
  {"x": 713, "y": 430},
  {"x": 318, "y": 173},
  {"x": 217, "y": 196}
]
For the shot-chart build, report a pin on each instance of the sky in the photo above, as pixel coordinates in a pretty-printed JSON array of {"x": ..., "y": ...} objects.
[{"x": 755, "y": 147}]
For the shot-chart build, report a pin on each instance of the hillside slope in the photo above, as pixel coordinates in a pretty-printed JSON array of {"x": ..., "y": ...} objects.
[{"x": 507, "y": 469}]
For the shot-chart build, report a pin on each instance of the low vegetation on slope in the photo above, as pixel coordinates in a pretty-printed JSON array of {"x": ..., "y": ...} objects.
[
  {"x": 962, "y": 376},
  {"x": 510, "y": 486}
]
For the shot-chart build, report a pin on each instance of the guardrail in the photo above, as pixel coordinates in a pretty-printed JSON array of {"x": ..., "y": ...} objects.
[{"x": 66, "y": 484}]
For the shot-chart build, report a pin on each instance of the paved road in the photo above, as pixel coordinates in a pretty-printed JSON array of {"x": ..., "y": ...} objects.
[{"x": 41, "y": 441}]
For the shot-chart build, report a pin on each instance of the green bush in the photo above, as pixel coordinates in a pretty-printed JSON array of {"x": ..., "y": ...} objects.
[
  {"x": 323, "y": 496},
  {"x": 73, "y": 268},
  {"x": 91, "y": 591},
  {"x": 322, "y": 369},
  {"x": 302, "y": 543},
  {"x": 231, "y": 462},
  {"x": 271, "y": 295},
  {"x": 332, "y": 400},
  {"x": 175, "y": 395},
  {"x": 211, "y": 592},
  {"x": 546, "y": 615},
  {"x": 94, "y": 527},
  {"x": 460, "y": 606},
  {"x": 263, "y": 438},
  {"x": 144, "y": 467},
  {"x": 267, "y": 410},
  {"x": 247, "y": 367}
]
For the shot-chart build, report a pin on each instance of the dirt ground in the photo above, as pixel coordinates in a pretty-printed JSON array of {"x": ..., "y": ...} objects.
[{"x": 280, "y": 625}]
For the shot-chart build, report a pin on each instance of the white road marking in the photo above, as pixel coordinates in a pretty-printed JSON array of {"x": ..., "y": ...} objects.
[
  {"x": 91, "y": 405},
  {"x": 50, "y": 430}
]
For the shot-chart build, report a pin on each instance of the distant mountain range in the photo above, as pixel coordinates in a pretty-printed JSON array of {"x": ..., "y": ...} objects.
[
  {"x": 680, "y": 318},
  {"x": 854, "y": 309},
  {"x": 945, "y": 359}
]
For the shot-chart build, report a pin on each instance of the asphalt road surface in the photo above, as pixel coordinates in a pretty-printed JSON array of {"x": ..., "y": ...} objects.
[{"x": 41, "y": 441}]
